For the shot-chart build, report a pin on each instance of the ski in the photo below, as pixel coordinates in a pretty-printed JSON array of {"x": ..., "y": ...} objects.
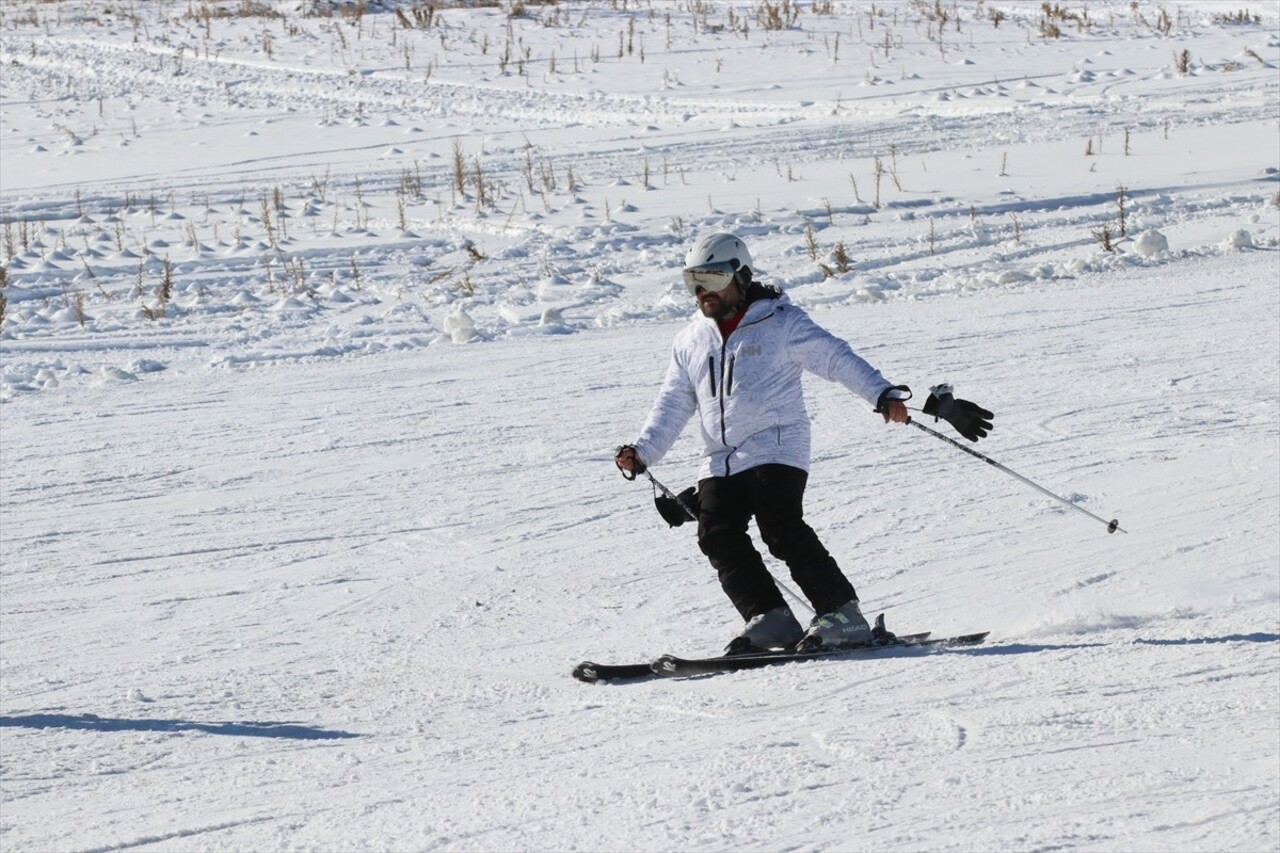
[
  {"x": 670, "y": 666},
  {"x": 591, "y": 672}
]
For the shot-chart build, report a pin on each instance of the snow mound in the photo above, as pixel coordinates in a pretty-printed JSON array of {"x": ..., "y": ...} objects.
[
  {"x": 1150, "y": 242},
  {"x": 460, "y": 327},
  {"x": 1238, "y": 239}
]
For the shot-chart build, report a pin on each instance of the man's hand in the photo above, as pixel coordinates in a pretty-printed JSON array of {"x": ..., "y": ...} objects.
[
  {"x": 893, "y": 404},
  {"x": 894, "y": 410},
  {"x": 629, "y": 462}
]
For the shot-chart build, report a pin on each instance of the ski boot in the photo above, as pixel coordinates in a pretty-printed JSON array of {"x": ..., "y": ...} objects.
[
  {"x": 843, "y": 627},
  {"x": 775, "y": 629}
]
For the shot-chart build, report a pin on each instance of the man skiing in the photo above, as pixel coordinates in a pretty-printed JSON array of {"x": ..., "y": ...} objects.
[{"x": 738, "y": 365}]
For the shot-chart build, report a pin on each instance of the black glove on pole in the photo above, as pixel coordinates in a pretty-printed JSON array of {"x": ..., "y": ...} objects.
[
  {"x": 970, "y": 420},
  {"x": 675, "y": 509}
]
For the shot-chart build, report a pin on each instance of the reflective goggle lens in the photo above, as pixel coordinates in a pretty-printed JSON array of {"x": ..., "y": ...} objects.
[{"x": 712, "y": 277}]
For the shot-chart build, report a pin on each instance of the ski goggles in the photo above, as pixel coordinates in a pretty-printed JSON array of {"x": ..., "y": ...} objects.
[{"x": 711, "y": 277}]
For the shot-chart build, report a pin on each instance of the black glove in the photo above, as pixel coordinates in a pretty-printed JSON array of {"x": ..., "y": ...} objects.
[
  {"x": 671, "y": 511},
  {"x": 970, "y": 420}
]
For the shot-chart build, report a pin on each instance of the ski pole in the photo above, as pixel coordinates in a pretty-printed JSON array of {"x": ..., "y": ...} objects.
[
  {"x": 1112, "y": 526},
  {"x": 694, "y": 517}
]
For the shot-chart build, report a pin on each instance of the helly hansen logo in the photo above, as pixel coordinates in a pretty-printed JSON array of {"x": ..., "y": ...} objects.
[{"x": 750, "y": 349}]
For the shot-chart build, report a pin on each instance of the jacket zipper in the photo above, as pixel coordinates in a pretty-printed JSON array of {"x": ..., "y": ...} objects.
[
  {"x": 728, "y": 387},
  {"x": 723, "y": 435}
]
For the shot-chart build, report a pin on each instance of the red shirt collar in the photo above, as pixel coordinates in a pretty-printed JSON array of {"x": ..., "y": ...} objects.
[{"x": 729, "y": 324}]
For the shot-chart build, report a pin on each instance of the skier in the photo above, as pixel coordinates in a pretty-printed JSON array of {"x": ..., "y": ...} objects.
[{"x": 738, "y": 365}]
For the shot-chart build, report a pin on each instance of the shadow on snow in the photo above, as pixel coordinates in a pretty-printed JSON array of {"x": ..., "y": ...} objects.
[
  {"x": 1199, "y": 641},
  {"x": 1020, "y": 648},
  {"x": 92, "y": 722},
  {"x": 1024, "y": 648}
]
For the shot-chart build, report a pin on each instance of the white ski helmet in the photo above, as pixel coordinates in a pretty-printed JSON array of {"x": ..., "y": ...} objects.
[{"x": 718, "y": 248}]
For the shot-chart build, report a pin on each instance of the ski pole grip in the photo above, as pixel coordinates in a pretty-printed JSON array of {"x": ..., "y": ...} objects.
[{"x": 637, "y": 468}]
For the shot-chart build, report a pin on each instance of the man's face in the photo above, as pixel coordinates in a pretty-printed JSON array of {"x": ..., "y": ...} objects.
[{"x": 720, "y": 305}]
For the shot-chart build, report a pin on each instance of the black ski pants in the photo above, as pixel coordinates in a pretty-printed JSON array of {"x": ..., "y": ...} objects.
[{"x": 774, "y": 495}]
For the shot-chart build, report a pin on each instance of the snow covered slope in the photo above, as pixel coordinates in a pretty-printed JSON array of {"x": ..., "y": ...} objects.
[{"x": 300, "y": 540}]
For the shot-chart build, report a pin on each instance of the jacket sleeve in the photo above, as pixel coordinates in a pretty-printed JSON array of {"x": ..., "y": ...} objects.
[
  {"x": 676, "y": 403},
  {"x": 822, "y": 353}
]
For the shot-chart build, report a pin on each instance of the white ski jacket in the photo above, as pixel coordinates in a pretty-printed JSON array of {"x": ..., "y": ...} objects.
[{"x": 747, "y": 389}]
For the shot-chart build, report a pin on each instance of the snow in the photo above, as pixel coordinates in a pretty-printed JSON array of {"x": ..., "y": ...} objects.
[{"x": 307, "y": 507}]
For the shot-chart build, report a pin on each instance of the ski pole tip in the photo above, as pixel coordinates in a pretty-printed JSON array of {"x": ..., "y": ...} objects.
[{"x": 1113, "y": 525}]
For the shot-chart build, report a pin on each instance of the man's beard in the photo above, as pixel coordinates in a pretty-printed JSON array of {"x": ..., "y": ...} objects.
[{"x": 720, "y": 309}]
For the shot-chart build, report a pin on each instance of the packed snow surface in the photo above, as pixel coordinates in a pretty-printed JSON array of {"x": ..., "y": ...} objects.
[{"x": 321, "y": 323}]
